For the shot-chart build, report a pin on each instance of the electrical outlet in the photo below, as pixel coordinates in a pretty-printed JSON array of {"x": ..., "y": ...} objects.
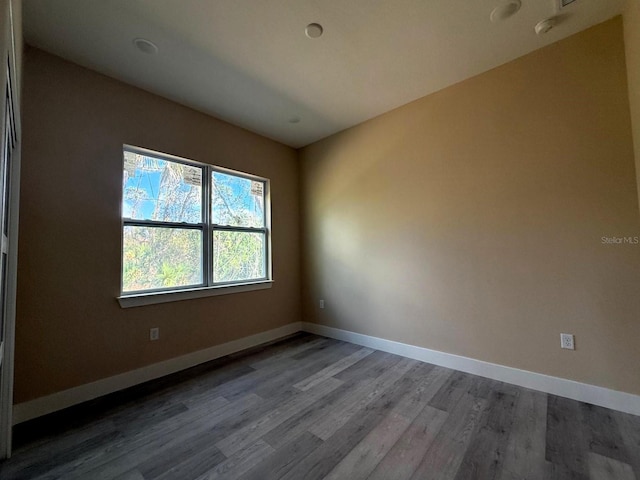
[
  {"x": 321, "y": 303},
  {"x": 566, "y": 341},
  {"x": 154, "y": 334}
]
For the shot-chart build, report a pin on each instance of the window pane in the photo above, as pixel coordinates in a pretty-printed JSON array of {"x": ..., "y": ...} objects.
[
  {"x": 237, "y": 201},
  {"x": 238, "y": 256},
  {"x": 155, "y": 257},
  {"x": 156, "y": 189}
]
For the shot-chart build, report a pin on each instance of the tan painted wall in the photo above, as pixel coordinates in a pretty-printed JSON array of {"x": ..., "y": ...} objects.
[
  {"x": 470, "y": 221},
  {"x": 631, "y": 19},
  {"x": 70, "y": 329}
]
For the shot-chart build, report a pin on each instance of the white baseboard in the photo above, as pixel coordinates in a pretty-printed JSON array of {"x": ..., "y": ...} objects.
[
  {"x": 73, "y": 396},
  {"x": 604, "y": 397}
]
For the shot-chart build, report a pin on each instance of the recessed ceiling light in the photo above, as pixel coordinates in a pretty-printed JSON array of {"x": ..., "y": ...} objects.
[
  {"x": 146, "y": 46},
  {"x": 505, "y": 10},
  {"x": 314, "y": 30},
  {"x": 294, "y": 119}
]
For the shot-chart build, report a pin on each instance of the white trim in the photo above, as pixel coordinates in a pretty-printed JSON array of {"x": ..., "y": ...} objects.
[
  {"x": 604, "y": 397},
  {"x": 73, "y": 396},
  {"x": 151, "y": 298}
]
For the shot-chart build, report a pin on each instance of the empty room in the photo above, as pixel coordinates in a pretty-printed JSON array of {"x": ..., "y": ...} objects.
[{"x": 306, "y": 240}]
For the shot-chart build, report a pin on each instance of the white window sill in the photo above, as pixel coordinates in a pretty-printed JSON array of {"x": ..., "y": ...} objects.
[{"x": 140, "y": 299}]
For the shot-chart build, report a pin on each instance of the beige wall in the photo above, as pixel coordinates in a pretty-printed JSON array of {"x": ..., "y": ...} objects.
[
  {"x": 70, "y": 329},
  {"x": 632, "y": 46},
  {"x": 470, "y": 221}
]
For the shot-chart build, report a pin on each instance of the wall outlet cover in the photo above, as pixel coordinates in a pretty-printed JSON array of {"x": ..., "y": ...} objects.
[
  {"x": 154, "y": 334},
  {"x": 566, "y": 341}
]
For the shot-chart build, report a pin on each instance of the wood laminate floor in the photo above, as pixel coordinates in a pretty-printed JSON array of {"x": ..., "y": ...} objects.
[{"x": 311, "y": 408}]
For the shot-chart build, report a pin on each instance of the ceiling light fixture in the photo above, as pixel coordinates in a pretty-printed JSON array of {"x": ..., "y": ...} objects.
[
  {"x": 146, "y": 46},
  {"x": 313, "y": 30},
  {"x": 506, "y": 10}
]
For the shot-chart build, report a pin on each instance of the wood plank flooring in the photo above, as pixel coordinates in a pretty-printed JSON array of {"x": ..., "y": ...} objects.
[{"x": 311, "y": 408}]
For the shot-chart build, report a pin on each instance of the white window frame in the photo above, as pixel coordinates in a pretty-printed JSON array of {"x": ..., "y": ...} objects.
[{"x": 208, "y": 287}]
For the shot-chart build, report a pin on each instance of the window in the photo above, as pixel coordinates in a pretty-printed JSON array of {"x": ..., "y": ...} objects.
[{"x": 187, "y": 225}]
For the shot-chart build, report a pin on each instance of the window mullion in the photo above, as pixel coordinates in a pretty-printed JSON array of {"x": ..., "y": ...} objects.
[
  {"x": 230, "y": 228},
  {"x": 160, "y": 223},
  {"x": 207, "y": 256}
]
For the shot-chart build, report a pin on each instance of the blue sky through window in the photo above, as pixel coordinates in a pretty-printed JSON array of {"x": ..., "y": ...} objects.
[
  {"x": 237, "y": 201},
  {"x": 156, "y": 189}
]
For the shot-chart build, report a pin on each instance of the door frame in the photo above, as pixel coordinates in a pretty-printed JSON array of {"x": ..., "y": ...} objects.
[{"x": 9, "y": 75}]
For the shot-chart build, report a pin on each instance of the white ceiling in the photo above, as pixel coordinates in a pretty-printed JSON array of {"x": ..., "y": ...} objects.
[{"x": 250, "y": 63}]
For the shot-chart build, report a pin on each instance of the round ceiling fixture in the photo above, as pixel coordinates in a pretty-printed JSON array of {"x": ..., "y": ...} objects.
[
  {"x": 505, "y": 10},
  {"x": 295, "y": 119},
  {"x": 545, "y": 25},
  {"x": 146, "y": 46},
  {"x": 314, "y": 30}
]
